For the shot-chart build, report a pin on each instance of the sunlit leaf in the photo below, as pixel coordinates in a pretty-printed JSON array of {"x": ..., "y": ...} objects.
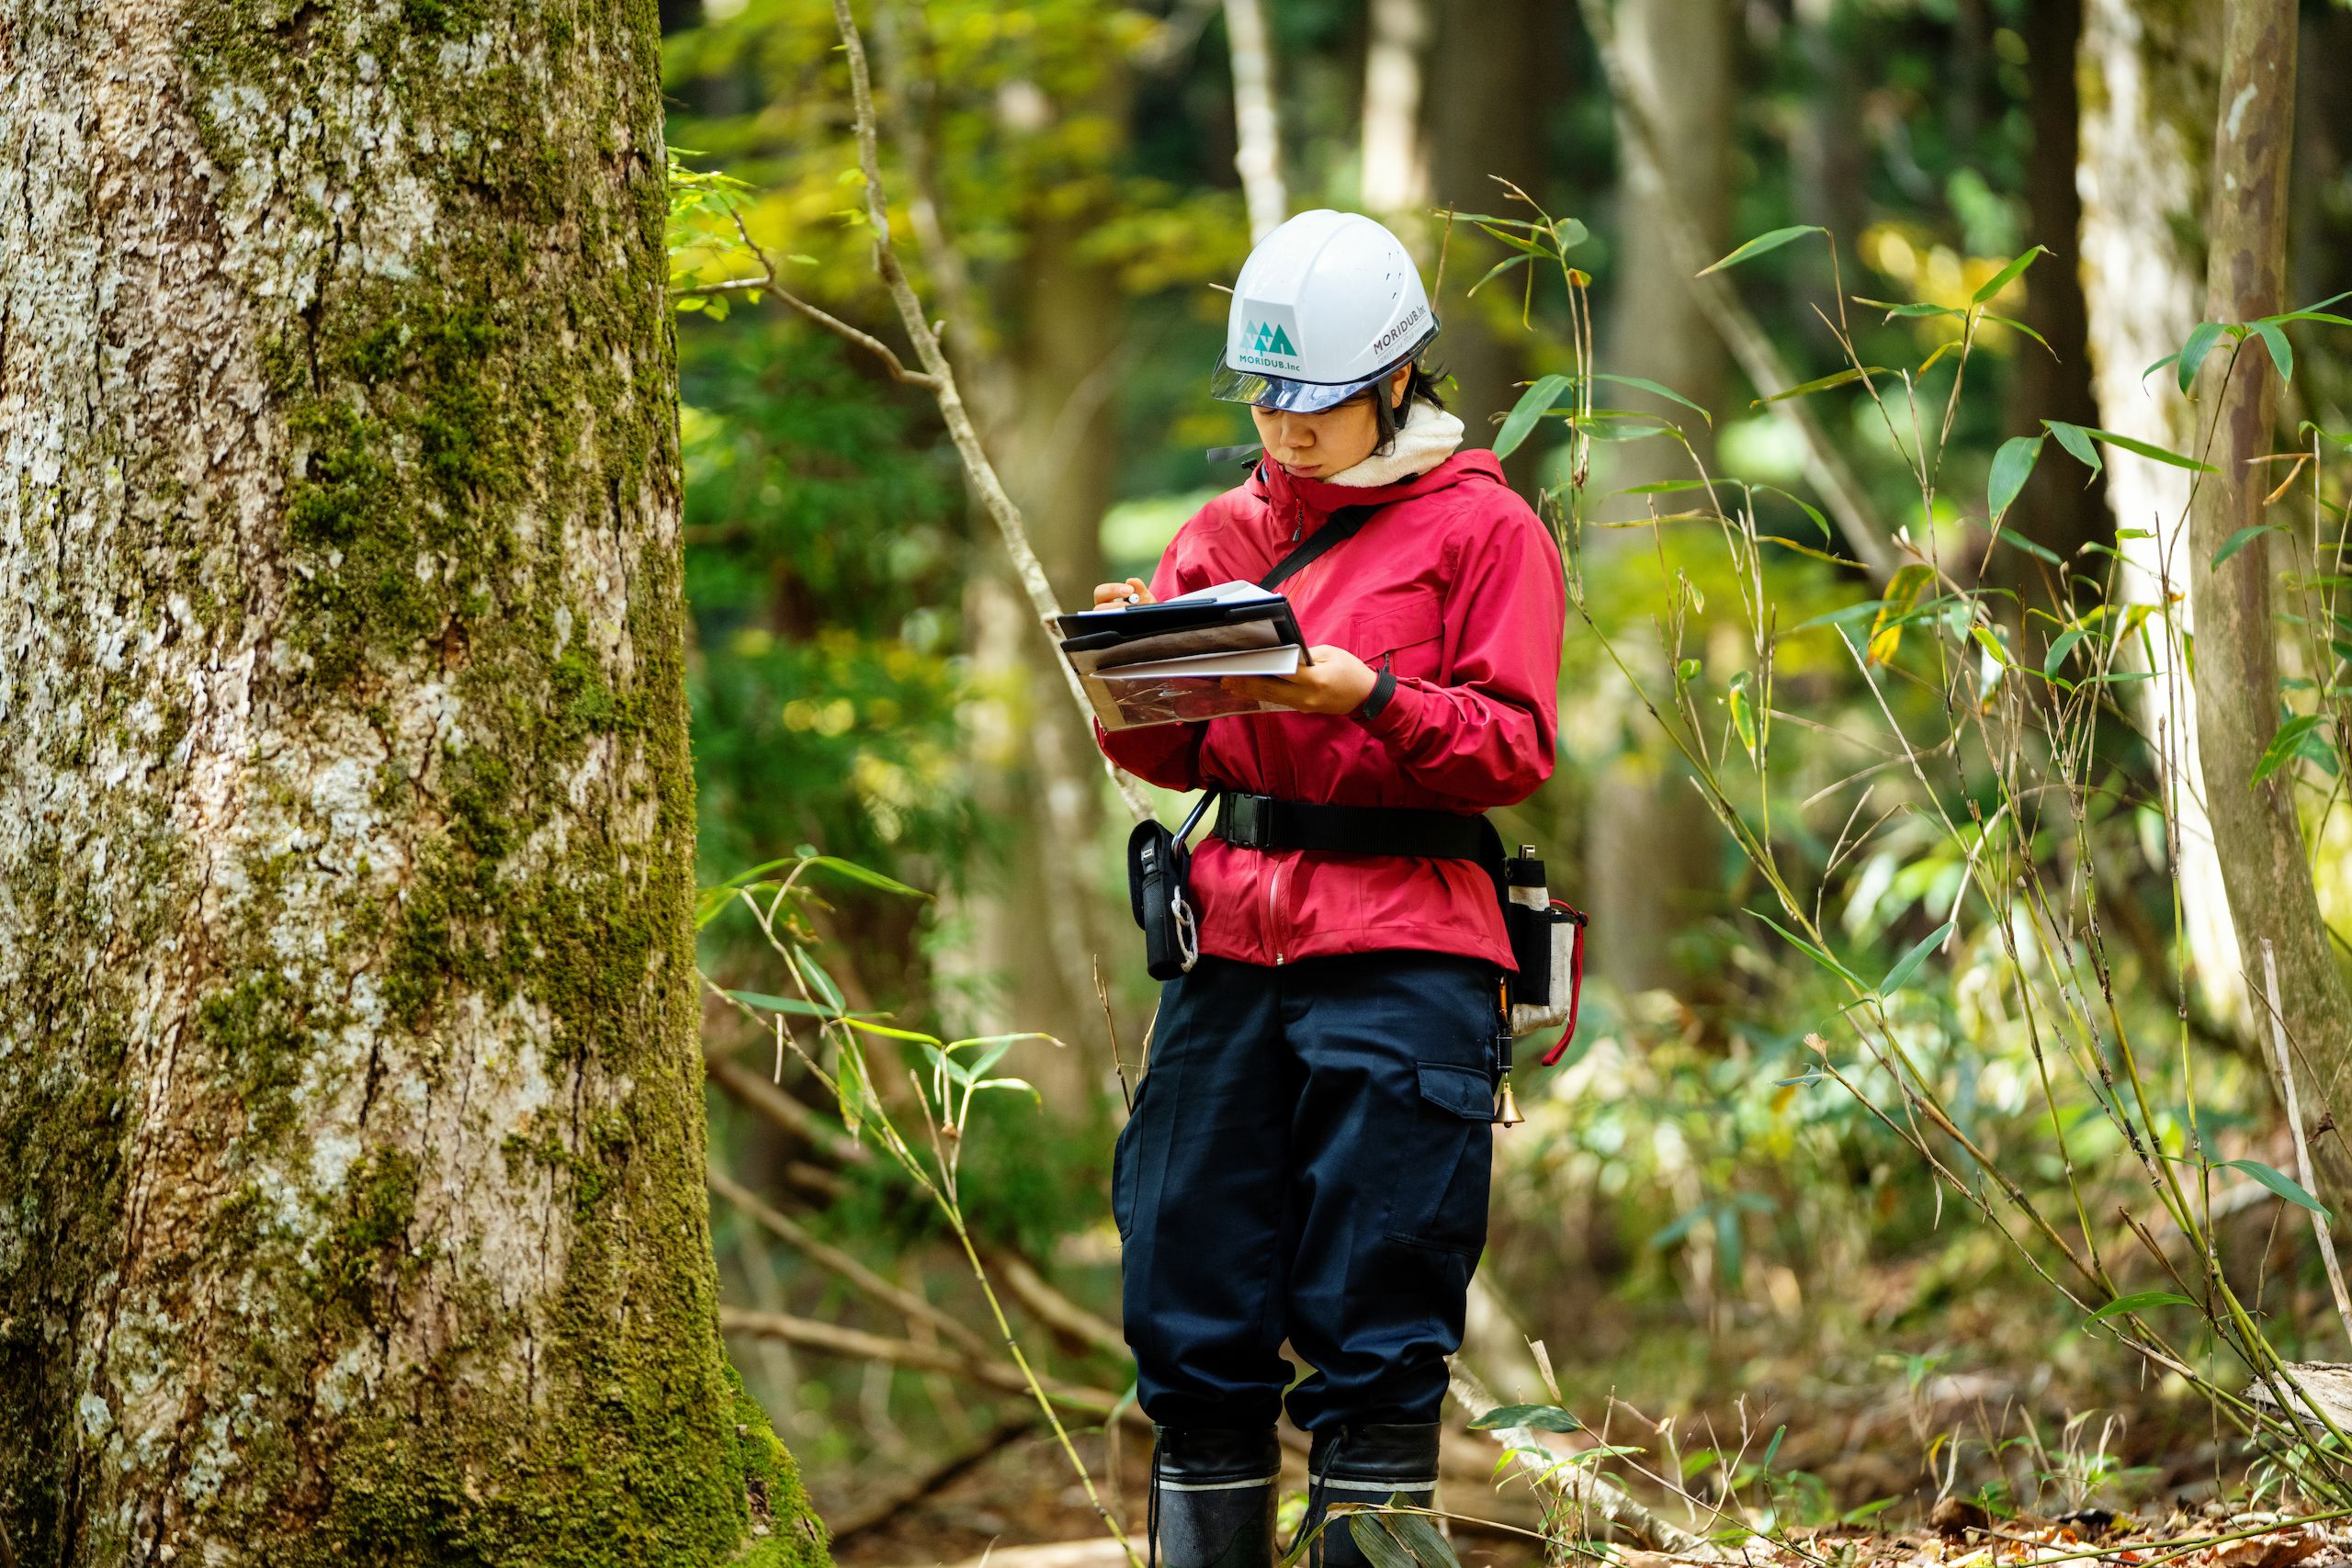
[
  {"x": 1903, "y": 593},
  {"x": 1822, "y": 383},
  {"x": 2285, "y": 744},
  {"x": 1763, "y": 243},
  {"x": 1992, "y": 286}
]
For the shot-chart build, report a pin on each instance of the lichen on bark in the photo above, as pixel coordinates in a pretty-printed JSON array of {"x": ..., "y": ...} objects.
[{"x": 350, "y": 1137}]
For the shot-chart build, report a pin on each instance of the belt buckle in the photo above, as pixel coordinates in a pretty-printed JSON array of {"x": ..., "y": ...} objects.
[{"x": 1250, "y": 823}]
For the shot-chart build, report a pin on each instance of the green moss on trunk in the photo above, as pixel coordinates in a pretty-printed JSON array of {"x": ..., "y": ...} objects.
[{"x": 439, "y": 989}]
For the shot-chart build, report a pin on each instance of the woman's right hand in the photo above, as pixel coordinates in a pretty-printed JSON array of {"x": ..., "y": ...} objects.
[{"x": 1134, "y": 590}]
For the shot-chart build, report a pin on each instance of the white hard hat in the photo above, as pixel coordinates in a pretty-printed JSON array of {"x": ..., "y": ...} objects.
[{"x": 1325, "y": 305}]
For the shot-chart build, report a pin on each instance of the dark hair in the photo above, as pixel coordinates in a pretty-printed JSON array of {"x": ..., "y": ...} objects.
[{"x": 1421, "y": 385}]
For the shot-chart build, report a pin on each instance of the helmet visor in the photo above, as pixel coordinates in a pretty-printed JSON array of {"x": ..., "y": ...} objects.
[{"x": 1232, "y": 385}]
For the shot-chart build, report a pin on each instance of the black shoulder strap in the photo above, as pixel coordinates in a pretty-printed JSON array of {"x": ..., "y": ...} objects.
[{"x": 1337, "y": 530}]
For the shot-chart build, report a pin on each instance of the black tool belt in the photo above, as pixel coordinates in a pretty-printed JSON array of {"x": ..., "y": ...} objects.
[{"x": 1263, "y": 822}]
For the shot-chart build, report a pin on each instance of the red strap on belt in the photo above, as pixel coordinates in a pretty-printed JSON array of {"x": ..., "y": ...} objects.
[{"x": 1576, "y": 982}]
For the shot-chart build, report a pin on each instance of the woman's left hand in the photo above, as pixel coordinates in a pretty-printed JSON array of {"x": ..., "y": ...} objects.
[{"x": 1336, "y": 681}]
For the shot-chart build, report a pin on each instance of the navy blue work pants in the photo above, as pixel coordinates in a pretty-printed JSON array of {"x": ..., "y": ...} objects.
[{"x": 1307, "y": 1157}]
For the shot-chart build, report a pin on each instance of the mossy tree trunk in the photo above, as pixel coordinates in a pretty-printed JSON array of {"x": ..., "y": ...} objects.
[
  {"x": 2256, "y": 825},
  {"x": 2148, "y": 92},
  {"x": 351, "y": 1145}
]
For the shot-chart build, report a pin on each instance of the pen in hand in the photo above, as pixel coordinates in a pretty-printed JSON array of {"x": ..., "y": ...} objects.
[{"x": 1119, "y": 595}]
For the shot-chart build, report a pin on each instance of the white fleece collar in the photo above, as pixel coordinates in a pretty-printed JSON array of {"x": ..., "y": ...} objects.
[{"x": 1428, "y": 438}]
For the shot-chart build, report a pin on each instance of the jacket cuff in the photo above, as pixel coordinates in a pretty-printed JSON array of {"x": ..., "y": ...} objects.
[{"x": 1393, "y": 711}]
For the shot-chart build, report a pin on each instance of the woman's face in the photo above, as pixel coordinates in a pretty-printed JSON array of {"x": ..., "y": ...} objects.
[{"x": 1316, "y": 446}]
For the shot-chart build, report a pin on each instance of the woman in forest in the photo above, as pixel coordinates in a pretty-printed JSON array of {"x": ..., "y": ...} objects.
[{"x": 1308, "y": 1155}]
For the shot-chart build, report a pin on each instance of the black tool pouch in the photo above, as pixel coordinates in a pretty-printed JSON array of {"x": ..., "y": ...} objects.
[{"x": 1159, "y": 861}]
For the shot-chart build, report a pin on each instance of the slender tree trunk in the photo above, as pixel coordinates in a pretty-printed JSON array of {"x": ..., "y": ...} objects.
[
  {"x": 2254, "y": 826},
  {"x": 1481, "y": 113},
  {"x": 2056, "y": 510},
  {"x": 2148, "y": 98},
  {"x": 1395, "y": 179},
  {"x": 351, "y": 1137},
  {"x": 1257, "y": 127},
  {"x": 1651, "y": 846}
]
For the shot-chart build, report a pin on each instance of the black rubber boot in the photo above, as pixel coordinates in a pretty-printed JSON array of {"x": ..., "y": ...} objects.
[
  {"x": 1213, "y": 1497},
  {"x": 1365, "y": 1462}
]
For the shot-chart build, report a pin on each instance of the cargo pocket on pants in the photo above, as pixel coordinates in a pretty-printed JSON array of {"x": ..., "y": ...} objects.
[{"x": 1444, "y": 1167}]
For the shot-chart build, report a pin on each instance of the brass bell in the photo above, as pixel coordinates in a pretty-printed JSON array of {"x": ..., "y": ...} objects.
[{"x": 1507, "y": 1105}]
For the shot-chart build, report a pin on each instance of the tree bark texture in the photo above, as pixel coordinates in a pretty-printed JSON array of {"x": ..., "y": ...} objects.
[
  {"x": 2148, "y": 94},
  {"x": 1256, "y": 123},
  {"x": 1652, "y": 855},
  {"x": 1394, "y": 183},
  {"x": 1479, "y": 106},
  {"x": 351, "y": 1139},
  {"x": 2254, "y": 826}
]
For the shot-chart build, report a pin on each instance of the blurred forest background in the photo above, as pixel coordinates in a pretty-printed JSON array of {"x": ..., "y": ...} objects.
[{"x": 1711, "y": 1239}]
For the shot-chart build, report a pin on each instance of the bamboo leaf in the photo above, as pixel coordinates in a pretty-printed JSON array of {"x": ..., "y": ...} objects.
[
  {"x": 1533, "y": 405},
  {"x": 1535, "y": 1418},
  {"x": 2239, "y": 541},
  {"x": 1822, "y": 384},
  {"x": 2282, "y": 354},
  {"x": 767, "y": 1003},
  {"x": 1992, "y": 286},
  {"x": 2284, "y": 745},
  {"x": 2012, "y": 466},
  {"x": 2278, "y": 1181},
  {"x": 1806, "y": 507},
  {"x": 2085, "y": 434},
  {"x": 1370, "y": 1532},
  {"x": 2076, "y": 440},
  {"x": 2193, "y": 352},
  {"x": 1909, "y": 310},
  {"x": 1763, "y": 243},
  {"x": 2140, "y": 1301},
  {"x": 1669, "y": 393},
  {"x": 1818, "y": 954},
  {"x": 854, "y": 872},
  {"x": 2062, "y": 646},
  {"x": 817, "y": 979},
  {"x": 1501, "y": 267},
  {"x": 1909, "y": 962},
  {"x": 2017, "y": 326}
]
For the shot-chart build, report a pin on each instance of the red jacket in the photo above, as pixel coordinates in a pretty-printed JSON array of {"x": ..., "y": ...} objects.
[{"x": 1458, "y": 585}]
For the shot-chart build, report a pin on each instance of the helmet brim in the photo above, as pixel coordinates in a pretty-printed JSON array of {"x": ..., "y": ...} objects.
[{"x": 1230, "y": 384}]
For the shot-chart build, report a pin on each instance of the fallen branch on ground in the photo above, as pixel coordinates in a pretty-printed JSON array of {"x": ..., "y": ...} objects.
[{"x": 859, "y": 1345}]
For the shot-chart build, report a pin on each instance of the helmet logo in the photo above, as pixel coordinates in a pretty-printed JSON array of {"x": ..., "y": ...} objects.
[
  {"x": 1265, "y": 338},
  {"x": 1272, "y": 339}
]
